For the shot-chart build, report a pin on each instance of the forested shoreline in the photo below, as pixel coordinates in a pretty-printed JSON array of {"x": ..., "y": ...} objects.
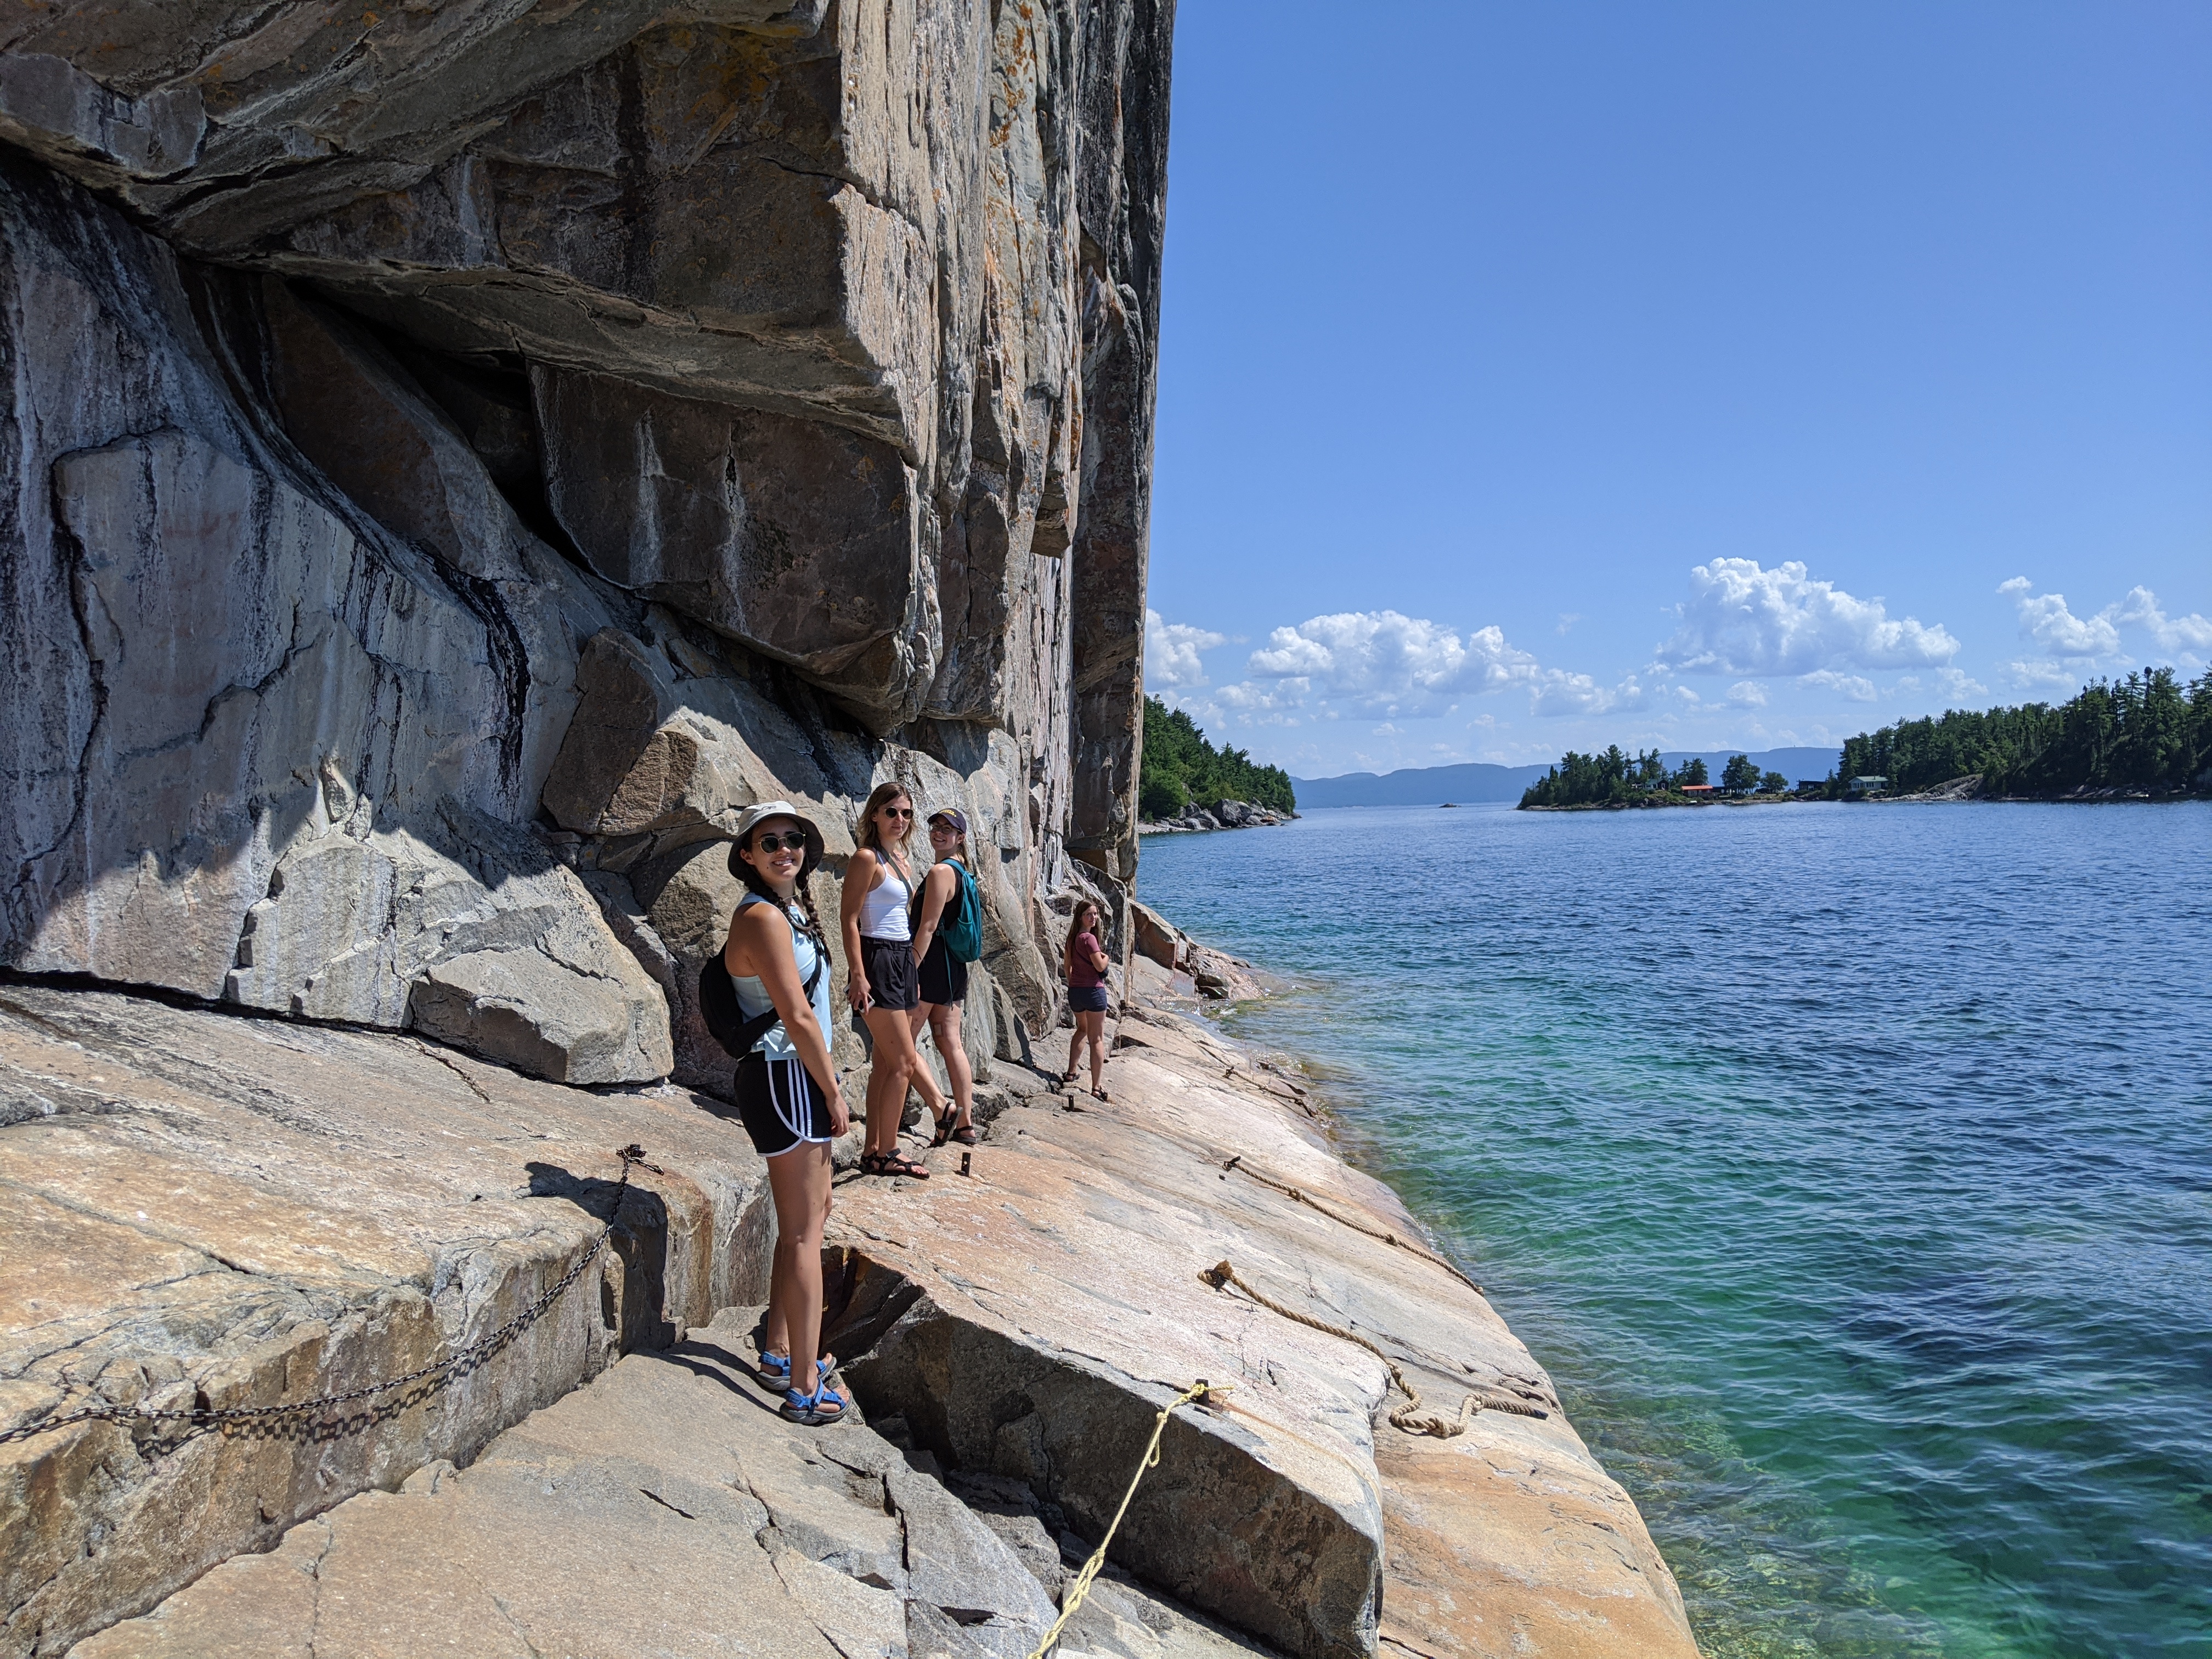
[
  {"x": 1181, "y": 768},
  {"x": 2148, "y": 734}
]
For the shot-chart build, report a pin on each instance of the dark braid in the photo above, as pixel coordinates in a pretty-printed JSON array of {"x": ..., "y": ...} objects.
[{"x": 805, "y": 892}]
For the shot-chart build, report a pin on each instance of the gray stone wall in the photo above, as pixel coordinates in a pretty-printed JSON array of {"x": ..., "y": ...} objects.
[{"x": 456, "y": 458}]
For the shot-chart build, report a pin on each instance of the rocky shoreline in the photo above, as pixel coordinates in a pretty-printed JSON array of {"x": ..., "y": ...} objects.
[
  {"x": 459, "y": 459},
  {"x": 1970, "y": 789},
  {"x": 1223, "y": 815},
  {"x": 248, "y": 1211}
]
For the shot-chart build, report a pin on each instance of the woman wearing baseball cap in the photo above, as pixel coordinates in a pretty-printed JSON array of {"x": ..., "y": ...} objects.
[
  {"x": 786, "y": 1089},
  {"x": 943, "y": 980}
]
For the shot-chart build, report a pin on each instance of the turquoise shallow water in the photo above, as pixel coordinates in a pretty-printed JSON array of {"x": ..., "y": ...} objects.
[{"x": 1850, "y": 1166}]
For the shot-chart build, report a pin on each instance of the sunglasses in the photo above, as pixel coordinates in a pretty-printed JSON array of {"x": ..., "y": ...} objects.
[
  {"x": 896, "y": 812},
  {"x": 939, "y": 827},
  {"x": 794, "y": 842}
]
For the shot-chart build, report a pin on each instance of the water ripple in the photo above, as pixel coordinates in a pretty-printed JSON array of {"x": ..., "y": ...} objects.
[{"x": 1849, "y": 1168}]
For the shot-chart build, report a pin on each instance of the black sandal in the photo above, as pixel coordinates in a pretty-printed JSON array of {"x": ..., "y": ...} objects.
[
  {"x": 892, "y": 1164},
  {"x": 965, "y": 1135},
  {"x": 944, "y": 1130}
]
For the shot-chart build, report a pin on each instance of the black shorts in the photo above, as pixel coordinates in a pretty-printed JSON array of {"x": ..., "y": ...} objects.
[
  {"x": 944, "y": 976},
  {"x": 781, "y": 1105},
  {"x": 1087, "y": 999},
  {"x": 890, "y": 965}
]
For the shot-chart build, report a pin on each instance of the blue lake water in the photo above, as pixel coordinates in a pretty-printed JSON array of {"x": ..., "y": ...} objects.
[{"x": 1851, "y": 1167}]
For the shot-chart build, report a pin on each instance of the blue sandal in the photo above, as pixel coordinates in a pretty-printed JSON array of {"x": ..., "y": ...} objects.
[
  {"x": 825, "y": 1404},
  {"x": 775, "y": 1371}
]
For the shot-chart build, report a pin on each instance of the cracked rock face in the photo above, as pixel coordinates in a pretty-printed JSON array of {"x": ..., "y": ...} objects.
[
  {"x": 457, "y": 457},
  {"x": 1027, "y": 1322},
  {"x": 253, "y": 1212},
  {"x": 664, "y": 1509}
]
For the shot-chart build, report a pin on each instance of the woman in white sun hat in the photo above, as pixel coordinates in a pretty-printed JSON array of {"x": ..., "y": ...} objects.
[{"x": 786, "y": 1089}]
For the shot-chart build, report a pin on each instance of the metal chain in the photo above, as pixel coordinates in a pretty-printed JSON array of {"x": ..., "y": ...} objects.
[{"x": 461, "y": 1359}]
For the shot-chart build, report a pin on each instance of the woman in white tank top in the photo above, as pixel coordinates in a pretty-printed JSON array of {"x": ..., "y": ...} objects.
[
  {"x": 884, "y": 906},
  {"x": 883, "y": 974}
]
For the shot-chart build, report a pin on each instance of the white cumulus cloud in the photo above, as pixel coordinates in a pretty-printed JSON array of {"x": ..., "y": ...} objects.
[
  {"x": 2045, "y": 620},
  {"x": 1747, "y": 694},
  {"x": 1171, "y": 652},
  {"x": 1274, "y": 699},
  {"x": 1742, "y": 619},
  {"x": 1556, "y": 691},
  {"x": 1856, "y": 686},
  {"x": 1380, "y": 662},
  {"x": 2141, "y": 609},
  {"x": 1955, "y": 684},
  {"x": 2044, "y": 675}
]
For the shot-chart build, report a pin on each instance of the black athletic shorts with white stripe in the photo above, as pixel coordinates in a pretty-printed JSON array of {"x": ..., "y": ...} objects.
[{"x": 781, "y": 1105}]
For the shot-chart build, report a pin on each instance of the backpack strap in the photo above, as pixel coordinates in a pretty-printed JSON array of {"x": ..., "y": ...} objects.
[
  {"x": 917, "y": 891},
  {"x": 725, "y": 1021}
]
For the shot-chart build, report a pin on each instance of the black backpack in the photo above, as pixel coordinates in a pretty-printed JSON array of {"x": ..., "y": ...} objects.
[{"x": 725, "y": 1021}]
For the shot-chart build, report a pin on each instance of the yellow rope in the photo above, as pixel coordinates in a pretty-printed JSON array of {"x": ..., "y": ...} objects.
[
  {"x": 1238, "y": 1165},
  {"x": 1409, "y": 1417},
  {"x": 1079, "y": 1586}
]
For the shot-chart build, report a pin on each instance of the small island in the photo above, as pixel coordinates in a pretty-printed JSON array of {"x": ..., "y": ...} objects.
[{"x": 1615, "y": 780}]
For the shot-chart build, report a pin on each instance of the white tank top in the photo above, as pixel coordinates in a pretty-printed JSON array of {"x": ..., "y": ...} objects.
[{"x": 882, "y": 907}]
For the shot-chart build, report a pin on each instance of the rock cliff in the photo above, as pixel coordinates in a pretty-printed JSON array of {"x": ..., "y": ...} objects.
[{"x": 457, "y": 454}]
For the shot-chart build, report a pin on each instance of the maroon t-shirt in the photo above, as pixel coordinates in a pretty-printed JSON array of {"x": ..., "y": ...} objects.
[{"x": 1080, "y": 973}]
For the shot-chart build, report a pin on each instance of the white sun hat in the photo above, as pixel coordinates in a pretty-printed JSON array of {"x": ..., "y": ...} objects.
[{"x": 753, "y": 817}]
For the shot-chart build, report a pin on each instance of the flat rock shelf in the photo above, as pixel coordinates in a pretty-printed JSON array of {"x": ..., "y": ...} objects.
[{"x": 213, "y": 1209}]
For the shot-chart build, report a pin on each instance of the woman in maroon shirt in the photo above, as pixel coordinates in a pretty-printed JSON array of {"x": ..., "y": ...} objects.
[{"x": 1084, "y": 959}]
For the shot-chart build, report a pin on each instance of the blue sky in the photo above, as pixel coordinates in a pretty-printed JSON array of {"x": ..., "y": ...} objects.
[{"x": 1697, "y": 375}]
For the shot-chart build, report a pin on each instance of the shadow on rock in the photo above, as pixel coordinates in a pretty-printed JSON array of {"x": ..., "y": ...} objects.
[{"x": 640, "y": 1241}]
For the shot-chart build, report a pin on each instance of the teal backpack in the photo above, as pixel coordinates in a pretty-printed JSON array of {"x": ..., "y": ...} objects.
[{"x": 961, "y": 926}]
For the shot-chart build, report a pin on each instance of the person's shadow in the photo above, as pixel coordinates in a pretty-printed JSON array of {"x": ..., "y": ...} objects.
[
  {"x": 702, "y": 1356},
  {"x": 640, "y": 1241}
]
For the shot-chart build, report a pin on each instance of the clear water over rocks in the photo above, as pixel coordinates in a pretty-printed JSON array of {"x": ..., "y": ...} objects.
[{"x": 1850, "y": 1166}]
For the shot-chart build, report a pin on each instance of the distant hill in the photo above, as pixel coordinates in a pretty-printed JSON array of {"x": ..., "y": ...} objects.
[
  {"x": 1418, "y": 786},
  {"x": 1792, "y": 763},
  {"x": 1476, "y": 780}
]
